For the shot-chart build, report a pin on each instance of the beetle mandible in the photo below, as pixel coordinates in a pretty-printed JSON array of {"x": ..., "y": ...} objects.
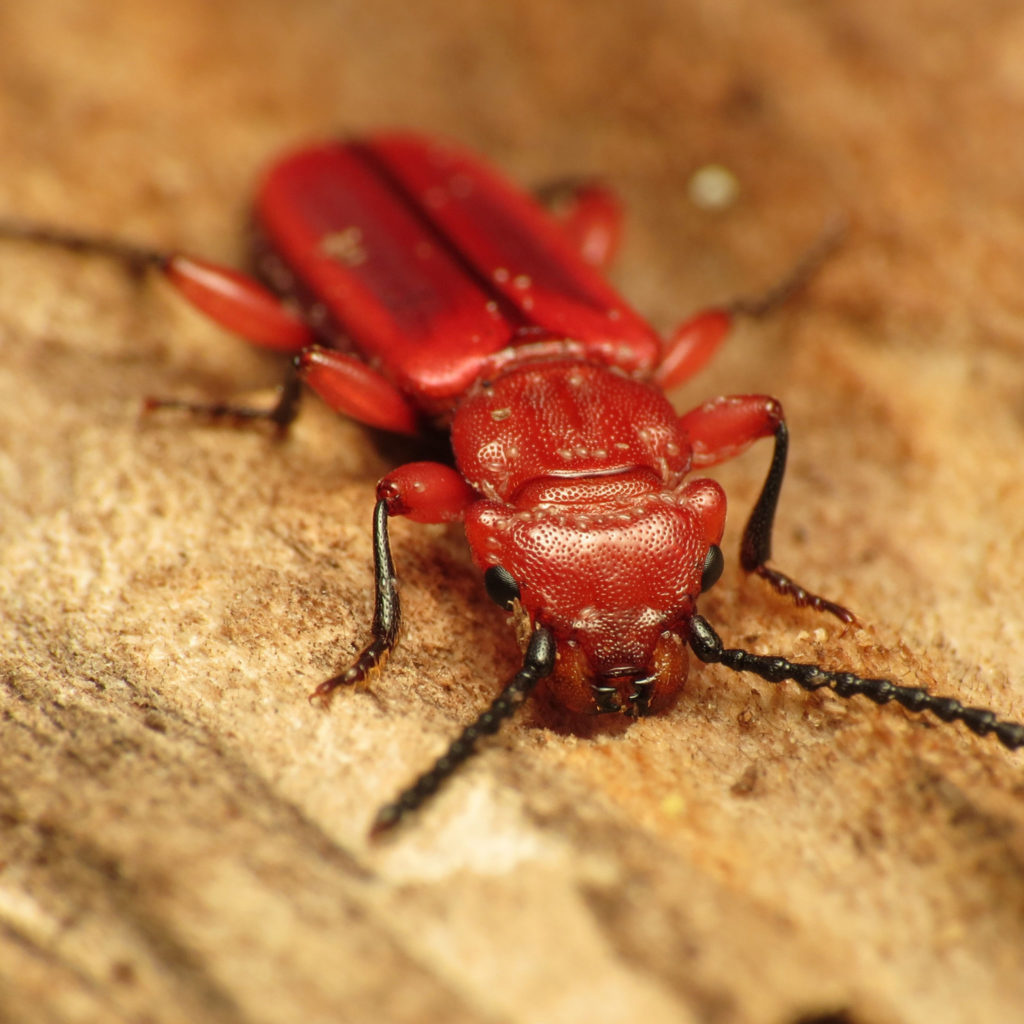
[{"x": 413, "y": 285}]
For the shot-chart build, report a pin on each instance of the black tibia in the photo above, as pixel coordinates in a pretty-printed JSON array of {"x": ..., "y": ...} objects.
[
  {"x": 387, "y": 613},
  {"x": 538, "y": 662},
  {"x": 707, "y": 645},
  {"x": 756, "y": 547},
  {"x": 802, "y": 272},
  {"x": 135, "y": 258},
  {"x": 280, "y": 414}
]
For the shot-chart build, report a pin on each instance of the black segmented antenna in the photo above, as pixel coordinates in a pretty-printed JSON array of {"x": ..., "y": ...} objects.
[
  {"x": 708, "y": 646},
  {"x": 538, "y": 662}
]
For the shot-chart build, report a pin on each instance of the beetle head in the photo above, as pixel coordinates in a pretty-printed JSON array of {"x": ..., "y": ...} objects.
[{"x": 614, "y": 574}]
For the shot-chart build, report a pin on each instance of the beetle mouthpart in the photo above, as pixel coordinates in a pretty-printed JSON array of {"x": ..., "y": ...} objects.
[{"x": 625, "y": 691}]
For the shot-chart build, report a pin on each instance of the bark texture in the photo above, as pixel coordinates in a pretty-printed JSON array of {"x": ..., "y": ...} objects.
[{"x": 182, "y": 837}]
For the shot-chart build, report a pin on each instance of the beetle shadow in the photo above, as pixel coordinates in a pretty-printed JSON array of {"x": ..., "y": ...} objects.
[
  {"x": 431, "y": 445},
  {"x": 544, "y": 712}
]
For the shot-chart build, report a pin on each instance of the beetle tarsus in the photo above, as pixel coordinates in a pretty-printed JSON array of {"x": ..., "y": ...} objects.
[
  {"x": 371, "y": 660},
  {"x": 538, "y": 662},
  {"x": 708, "y": 646},
  {"x": 787, "y": 587}
]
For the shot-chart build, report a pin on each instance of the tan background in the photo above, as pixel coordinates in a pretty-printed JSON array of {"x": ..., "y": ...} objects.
[{"x": 182, "y": 835}]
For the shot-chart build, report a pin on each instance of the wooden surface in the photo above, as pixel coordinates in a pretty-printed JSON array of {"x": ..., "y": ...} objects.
[{"x": 182, "y": 837}]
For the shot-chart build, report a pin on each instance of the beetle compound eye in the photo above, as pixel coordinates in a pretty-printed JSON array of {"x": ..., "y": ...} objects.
[
  {"x": 714, "y": 563},
  {"x": 501, "y": 588}
]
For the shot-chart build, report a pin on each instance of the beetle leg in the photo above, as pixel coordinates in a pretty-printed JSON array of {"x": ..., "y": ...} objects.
[
  {"x": 135, "y": 258},
  {"x": 426, "y": 492},
  {"x": 708, "y": 646},
  {"x": 236, "y": 301},
  {"x": 387, "y": 614},
  {"x": 690, "y": 346},
  {"x": 538, "y": 662},
  {"x": 348, "y": 385},
  {"x": 342, "y": 380},
  {"x": 281, "y": 413},
  {"x": 799, "y": 275},
  {"x": 756, "y": 548},
  {"x": 723, "y": 428},
  {"x": 590, "y": 217}
]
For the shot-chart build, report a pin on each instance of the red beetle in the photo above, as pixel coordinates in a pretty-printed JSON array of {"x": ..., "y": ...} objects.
[{"x": 422, "y": 288}]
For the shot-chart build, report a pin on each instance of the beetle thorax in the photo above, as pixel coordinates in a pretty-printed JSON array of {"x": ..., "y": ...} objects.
[
  {"x": 564, "y": 418},
  {"x": 585, "y": 507}
]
